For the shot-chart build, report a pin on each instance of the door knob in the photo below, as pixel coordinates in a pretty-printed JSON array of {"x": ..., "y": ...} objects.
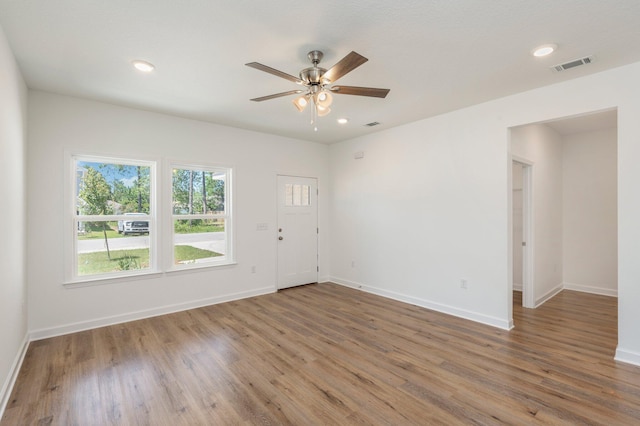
[{"x": 280, "y": 238}]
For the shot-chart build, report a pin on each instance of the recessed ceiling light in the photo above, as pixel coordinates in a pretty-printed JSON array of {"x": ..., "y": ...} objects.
[
  {"x": 343, "y": 120},
  {"x": 143, "y": 66},
  {"x": 544, "y": 50}
]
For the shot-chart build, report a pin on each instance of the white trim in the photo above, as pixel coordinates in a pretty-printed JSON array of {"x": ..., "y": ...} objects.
[
  {"x": 446, "y": 309},
  {"x": 517, "y": 287},
  {"x": 8, "y": 385},
  {"x": 603, "y": 291},
  {"x": 626, "y": 356},
  {"x": 528, "y": 234},
  {"x": 548, "y": 295},
  {"x": 45, "y": 333}
]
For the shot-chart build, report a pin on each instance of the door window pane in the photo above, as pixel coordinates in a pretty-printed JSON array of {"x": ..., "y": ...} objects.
[{"x": 296, "y": 195}]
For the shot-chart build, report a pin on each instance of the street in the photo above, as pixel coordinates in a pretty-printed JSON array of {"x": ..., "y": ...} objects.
[{"x": 213, "y": 241}]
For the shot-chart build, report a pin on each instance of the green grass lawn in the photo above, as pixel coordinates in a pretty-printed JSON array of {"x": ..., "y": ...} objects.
[
  {"x": 93, "y": 231},
  {"x": 99, "y": 263},
  {"x": 183, "y": 227}
]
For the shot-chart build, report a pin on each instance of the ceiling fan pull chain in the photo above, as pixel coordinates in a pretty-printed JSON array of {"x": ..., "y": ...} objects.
[{"x": 314, "y": 121}]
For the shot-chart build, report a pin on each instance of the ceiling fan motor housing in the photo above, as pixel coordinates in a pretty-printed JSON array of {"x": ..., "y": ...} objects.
[{"x": 312, "y": 75}]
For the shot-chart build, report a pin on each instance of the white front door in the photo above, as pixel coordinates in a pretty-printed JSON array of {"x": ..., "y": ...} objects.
[{"x": 297, "y": 231}]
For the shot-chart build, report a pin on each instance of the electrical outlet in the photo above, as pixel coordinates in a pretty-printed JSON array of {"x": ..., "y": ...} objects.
[{"x": 464, "y": 284}]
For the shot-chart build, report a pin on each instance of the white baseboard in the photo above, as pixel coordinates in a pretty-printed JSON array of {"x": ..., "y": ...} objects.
[
  {"x": 7, "y": 387},
  {"x": 434, "y": 306},
  {"x": 517, "y": 286},
  {"x": 45, "y": 333},
  {"x": 603, "y": 291},
  {"x": 548, "y": 295},
  {"x": 629, "y": 357}
]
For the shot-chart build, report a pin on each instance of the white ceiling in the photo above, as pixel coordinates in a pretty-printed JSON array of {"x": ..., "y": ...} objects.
[
  {"x": 435, "y": 56},
  {"x": 585, "y": 123}
]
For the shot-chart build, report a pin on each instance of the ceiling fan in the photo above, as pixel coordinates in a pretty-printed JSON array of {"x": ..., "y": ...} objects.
[{"x": 318, "y": 83}]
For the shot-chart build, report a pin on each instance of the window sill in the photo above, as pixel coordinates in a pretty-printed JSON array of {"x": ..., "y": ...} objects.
[
  {"x": 93, "y": 281},
  {"x": 194, "y": 267},
  {"x": 90, "y": 282}
]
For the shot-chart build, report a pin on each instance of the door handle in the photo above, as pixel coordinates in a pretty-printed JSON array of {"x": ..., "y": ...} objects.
[{"x": 280, "y": 238}]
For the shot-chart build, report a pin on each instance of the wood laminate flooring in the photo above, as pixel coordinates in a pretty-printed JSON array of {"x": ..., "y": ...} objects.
[{"x": 326, "y": 354}]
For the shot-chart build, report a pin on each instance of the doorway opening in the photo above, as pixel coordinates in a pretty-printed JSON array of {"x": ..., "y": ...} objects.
[{"x": 563, "y": 200}]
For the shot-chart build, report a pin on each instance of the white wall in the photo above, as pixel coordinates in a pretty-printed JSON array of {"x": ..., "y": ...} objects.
[
  {"x": 542, "y": 146},
  {"x": 590, "y": 214},
  {"x": 430, "y": 202},
  {"x": 59, "y": 124},
  {"x": 423, "y": 210},
  {"x": 13, "y": 313}
]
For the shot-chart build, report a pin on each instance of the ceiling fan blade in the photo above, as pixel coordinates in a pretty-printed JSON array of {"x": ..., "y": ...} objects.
[
  {"x": 347, "y": 64},
  {"x": 277, "y": 95},
  {"x": 360, "y": 91},
  {"x": 274, "y": 71}
]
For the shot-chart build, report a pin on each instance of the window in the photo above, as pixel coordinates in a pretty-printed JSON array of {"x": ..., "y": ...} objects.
[
  {"x": 113, "y": 217},
  {"x": 114, "y": 229},
  {"x": 201, "y": 216},
  {"x": 296, "y": 195}
]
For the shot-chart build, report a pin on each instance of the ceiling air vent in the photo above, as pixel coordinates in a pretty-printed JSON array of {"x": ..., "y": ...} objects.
[
  {"x": 572, "y": 64},
  {"x": 373, "y": 123}
]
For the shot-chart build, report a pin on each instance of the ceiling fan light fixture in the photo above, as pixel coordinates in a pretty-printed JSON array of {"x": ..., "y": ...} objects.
[
  {"x": 300, "y": 103},
  {"x": 323, "y": 99},
  {"x": 342, "y": 120},
  {"x": 322, "y": 111}
]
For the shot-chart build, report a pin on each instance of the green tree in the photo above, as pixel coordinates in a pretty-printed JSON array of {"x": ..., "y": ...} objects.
[
  {"x": 197, "y": 192},
  {"x": 216, "y": 194},
  {"x": 135, "y": 197},
  {"x": 96, "y": 193},
  {"x": 180, "y": 191}
]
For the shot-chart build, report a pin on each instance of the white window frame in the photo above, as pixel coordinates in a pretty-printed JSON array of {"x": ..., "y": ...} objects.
[
  {"x": 73, "y": 219},
  {"x": 169, "y": 232}
]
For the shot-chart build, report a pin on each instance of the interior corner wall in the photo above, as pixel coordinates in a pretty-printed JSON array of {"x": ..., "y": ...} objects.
[
  {"x": 60, "y": 125},
  {"x": 429, "y": 203},
  {"x": 590, "y": 213},
  {"x": 13, "y": 282},
  {"x": 542, "y": 146}
]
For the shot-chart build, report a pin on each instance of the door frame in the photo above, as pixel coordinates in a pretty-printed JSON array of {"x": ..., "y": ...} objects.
[{"x": 528, "y": 222}]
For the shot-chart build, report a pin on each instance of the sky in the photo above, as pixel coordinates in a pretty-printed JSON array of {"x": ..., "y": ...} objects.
[{"x": 124, "y": 173}]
